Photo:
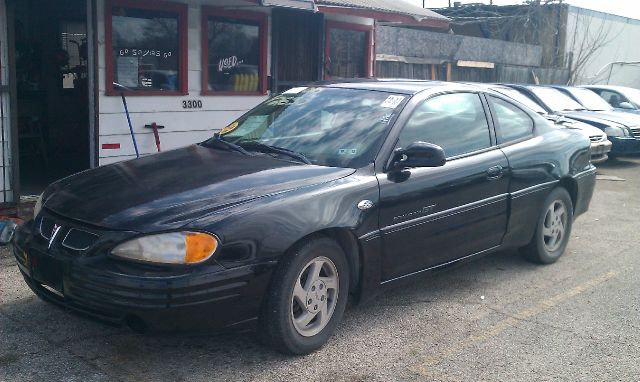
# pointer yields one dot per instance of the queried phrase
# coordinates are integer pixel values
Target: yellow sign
(229, 128)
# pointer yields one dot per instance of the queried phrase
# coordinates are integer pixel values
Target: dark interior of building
(52, 90)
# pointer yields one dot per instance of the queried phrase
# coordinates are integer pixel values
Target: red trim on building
(386, 16)
(262, 19)
(110, 146)
(181, 11)
(357, 27)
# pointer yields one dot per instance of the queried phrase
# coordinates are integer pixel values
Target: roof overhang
(305, 5)
(389, 17)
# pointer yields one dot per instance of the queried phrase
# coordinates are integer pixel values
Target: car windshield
(329, 126)
(556, 100)
(523, 99)
(590, 100)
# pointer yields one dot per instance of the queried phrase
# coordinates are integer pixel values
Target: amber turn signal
(200, 246)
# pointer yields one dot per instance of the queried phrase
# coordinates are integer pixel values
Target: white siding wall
(5, 182)
(622, 34)
(182, 127)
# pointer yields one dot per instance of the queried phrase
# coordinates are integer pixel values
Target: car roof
(401, 86)
(607, 87)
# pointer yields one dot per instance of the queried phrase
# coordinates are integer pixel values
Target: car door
(431, 216)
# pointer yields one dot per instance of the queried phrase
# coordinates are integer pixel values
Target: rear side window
(456, 122)
(613, 98)
(512, 121)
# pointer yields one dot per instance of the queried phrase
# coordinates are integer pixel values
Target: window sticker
(229, 128)
(392, 101)
(296, 90)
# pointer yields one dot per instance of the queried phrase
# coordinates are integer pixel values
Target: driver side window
(456, 122)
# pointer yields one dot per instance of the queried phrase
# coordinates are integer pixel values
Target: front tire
(307, 298)
(553, 229)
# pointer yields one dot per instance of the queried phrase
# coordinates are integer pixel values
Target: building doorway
(297, 44)
(52, 90)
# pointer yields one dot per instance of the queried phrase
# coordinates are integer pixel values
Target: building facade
(616, 58)
(188, 67)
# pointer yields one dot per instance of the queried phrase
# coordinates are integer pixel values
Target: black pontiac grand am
(317, 194)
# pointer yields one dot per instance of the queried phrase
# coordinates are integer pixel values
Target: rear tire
(307, 297)
(553, 229)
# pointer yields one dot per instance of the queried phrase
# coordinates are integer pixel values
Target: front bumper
(146, 298)
(599, 151)
(624, 145)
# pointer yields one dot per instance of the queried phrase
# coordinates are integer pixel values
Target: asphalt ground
(496, 319)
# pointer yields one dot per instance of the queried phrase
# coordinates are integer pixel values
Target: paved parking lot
(499, 318)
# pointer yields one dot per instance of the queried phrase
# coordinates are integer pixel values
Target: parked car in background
(600, 145)
(316, 194)
(623, 130)
(620, 97)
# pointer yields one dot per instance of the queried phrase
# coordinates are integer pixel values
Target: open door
(297, 45)
(51, 58)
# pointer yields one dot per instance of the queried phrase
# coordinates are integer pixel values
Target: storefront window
(235, 53)
(348, 51)
(146, 49)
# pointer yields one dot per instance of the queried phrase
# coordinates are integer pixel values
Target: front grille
(46, 227)
(79, 240)
(635, 131)
(596, 138)
(74, 238)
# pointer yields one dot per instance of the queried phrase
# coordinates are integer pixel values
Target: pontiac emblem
(54, 233)
(365, 205)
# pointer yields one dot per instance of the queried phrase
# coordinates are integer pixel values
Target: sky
(627, 8)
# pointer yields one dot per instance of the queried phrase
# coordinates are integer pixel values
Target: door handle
(495, 172)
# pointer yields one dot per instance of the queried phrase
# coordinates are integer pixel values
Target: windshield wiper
(217, 139)
(276, 150)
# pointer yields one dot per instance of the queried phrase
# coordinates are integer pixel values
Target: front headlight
(169, 248)
(38, 207)
(614, 131)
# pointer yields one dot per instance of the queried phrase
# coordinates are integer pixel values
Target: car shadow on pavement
(37, 321)
(619, 162)
(123, 354)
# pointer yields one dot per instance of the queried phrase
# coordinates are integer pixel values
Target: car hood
(603, 117)
(587, 129)
(169, 190)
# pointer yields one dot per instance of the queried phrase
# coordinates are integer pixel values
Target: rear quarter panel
(553, 156)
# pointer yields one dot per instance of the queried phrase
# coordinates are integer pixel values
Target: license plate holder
(47, 270)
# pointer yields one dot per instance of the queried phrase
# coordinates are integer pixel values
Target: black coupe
(317, 194)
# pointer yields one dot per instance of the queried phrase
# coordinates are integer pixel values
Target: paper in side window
(392, 101)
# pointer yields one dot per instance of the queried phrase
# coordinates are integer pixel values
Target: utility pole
(423, 4)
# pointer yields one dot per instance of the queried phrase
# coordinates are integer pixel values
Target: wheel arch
(570, 184)
(349, 244)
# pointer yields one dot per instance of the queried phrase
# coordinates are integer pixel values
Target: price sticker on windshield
(392, 101)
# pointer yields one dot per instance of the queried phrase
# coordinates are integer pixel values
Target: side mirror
(418, 154)
(626, 105)
(7, 228)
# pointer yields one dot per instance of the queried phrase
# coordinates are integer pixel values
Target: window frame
(368, 29)
(485, 109)
(263, 25)
(501, 141)
(181, 10)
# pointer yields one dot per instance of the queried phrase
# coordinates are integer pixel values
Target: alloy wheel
(554, 226)
(314, 297)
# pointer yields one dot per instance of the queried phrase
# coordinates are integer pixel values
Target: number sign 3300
(192, 104)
